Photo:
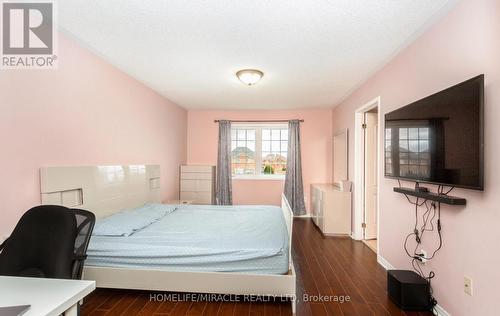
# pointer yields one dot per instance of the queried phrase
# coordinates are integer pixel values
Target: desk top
(46, 296)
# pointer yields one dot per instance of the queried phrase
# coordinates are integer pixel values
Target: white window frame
(258, 151)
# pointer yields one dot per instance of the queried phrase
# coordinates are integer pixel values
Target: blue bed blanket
(243, 239)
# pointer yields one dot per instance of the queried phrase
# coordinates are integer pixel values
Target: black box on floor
(408, 290)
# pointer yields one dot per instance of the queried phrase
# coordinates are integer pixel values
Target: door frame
(359, 168)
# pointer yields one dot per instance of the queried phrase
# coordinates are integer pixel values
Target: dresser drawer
(197, 197)
(331, 209)
(196, 185)
(196, 176)
(196, 169)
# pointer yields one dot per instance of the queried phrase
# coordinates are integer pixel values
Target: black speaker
(408, 290)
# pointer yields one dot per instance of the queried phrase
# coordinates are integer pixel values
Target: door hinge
(363, 126)
(363, 225)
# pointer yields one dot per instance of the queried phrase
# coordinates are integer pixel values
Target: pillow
(128, 221)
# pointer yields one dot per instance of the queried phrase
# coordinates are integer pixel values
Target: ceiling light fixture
(249, 76)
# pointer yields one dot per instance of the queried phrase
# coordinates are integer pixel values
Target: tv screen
(439, 139)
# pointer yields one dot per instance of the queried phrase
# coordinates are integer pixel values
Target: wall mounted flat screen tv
(439, 139)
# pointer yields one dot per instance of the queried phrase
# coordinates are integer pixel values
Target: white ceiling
(313, 53)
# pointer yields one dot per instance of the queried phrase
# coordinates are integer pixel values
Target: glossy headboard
(102, 190)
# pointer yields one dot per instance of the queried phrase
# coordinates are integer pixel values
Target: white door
(370, 196)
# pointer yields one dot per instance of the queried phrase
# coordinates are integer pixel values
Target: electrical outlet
(424, 256)
(468, 285)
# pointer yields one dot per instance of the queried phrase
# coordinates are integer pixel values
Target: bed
(243, 239)
(139, 243)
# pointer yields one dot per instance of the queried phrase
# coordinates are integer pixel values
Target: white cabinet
(331, 209)
(197, 184)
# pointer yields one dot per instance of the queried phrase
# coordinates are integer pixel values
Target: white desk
(47, 297)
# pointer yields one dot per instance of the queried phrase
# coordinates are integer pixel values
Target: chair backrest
(42, 244)
(85, 221)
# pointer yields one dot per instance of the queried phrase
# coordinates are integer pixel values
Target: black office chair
(49, 241)
(85, 222)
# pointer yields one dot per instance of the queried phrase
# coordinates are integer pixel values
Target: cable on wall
(432, 213)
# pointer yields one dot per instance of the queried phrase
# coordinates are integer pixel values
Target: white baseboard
(356, 236)
(388, 266)
(384, 263)
(302, 216)
(440, 311)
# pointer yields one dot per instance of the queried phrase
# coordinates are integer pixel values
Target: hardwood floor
(326, 268)
(372, 244)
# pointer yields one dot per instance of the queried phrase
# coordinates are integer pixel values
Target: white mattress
(243, 239)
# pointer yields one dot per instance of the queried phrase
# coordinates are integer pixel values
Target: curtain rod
(258, 121)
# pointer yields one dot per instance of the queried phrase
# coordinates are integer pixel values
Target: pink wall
(316, 150)
(86, 112)
(463, 44)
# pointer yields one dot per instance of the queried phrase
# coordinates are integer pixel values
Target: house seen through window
(407, 152)
(259, 150)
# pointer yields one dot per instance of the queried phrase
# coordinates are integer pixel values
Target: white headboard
(102, 190)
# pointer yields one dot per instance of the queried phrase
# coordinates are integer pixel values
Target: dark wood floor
(325, 267)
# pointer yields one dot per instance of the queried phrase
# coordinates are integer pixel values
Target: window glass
(251, 134)
(284, 134)
(274, 151)
(414, 146)
(243, 152)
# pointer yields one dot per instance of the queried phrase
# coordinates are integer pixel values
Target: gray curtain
(224, 194)
(294, 190)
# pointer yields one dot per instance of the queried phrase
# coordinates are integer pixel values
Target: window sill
(260, 177)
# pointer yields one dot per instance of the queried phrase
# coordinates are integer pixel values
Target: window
(410, 152)
(388, 152)
(414, 158)
(243, 151)
(259, 150)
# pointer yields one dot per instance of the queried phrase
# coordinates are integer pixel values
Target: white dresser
(197, 184)
(331, 209)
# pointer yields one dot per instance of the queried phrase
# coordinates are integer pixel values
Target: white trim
(440, 311)
(384, 263)
(258, 151)
(357, 234)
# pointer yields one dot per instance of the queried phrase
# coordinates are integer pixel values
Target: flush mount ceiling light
(249, 76)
